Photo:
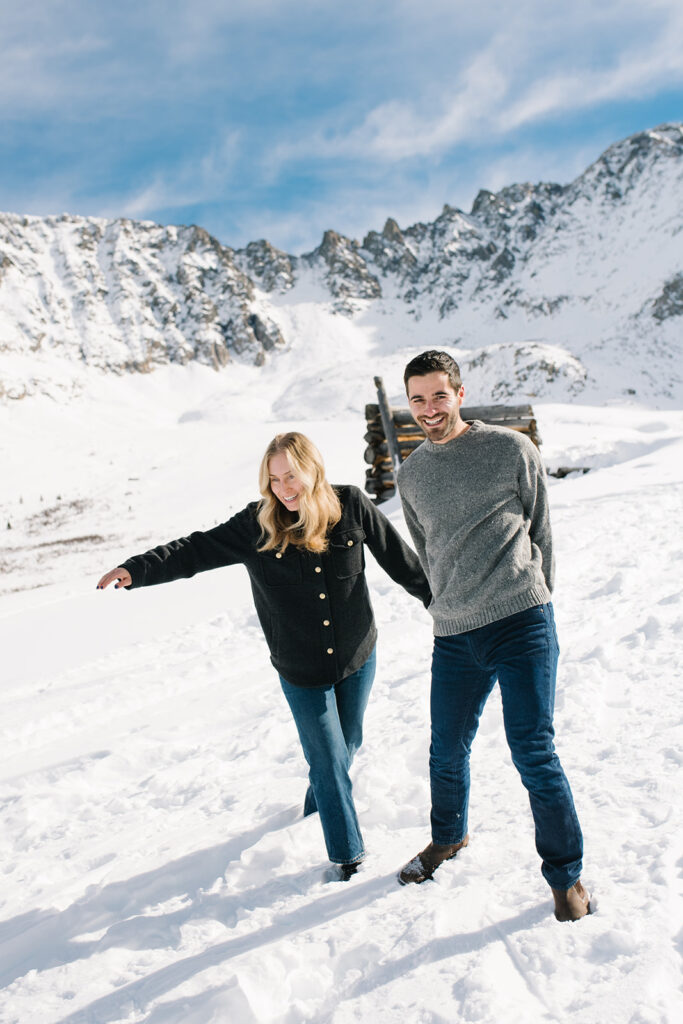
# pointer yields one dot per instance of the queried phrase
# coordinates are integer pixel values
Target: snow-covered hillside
(155, 864)
(543, 290)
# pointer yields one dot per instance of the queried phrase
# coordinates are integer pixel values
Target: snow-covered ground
(155, 865)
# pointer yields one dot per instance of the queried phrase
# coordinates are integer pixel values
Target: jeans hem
(353, 860)
(448, 842)
(563, 887)
(564, 884)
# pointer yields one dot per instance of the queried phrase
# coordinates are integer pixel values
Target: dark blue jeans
(521, 652)
(329, 720)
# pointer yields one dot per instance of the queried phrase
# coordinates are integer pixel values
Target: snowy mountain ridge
(541, 290)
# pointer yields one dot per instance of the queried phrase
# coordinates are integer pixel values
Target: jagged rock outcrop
(389, 252)
(125, 296)
(670, 302)
(345, 271)
(270, 268)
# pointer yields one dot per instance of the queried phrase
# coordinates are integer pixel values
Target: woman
(302, 546)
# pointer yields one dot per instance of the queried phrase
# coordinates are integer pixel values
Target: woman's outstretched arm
(227, 544)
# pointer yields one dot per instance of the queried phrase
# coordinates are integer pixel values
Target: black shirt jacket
(314, 609)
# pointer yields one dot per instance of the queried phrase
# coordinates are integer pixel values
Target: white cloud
(520, 75)
(637, 73)
(398, 130)
(387, 109)
(199, 180)
(395, 130)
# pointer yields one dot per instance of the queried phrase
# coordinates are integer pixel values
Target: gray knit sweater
(477, 510)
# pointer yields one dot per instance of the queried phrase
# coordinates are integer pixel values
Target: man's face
(435, 406)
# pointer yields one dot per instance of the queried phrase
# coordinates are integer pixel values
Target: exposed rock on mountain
(270, 268)
(123, 296)
(389, 252)
(568, 278)
(670, 302)
(346, 273)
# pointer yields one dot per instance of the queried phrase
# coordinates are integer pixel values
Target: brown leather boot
(423, 866)
(571, 904)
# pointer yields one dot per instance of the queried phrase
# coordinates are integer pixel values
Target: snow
(156, 867)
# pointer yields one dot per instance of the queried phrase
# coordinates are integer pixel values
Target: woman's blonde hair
(319, 506)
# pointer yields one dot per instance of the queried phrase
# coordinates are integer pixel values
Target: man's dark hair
(433, 361)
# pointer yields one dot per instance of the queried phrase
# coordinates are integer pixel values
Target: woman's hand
(120, 574)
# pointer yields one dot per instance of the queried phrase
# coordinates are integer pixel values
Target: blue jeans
(329, 720)
(520, 651)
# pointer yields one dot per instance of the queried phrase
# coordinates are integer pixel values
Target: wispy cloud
(495, 93)
(636, 72)
(397, 129)
(283, 117)
(199, 180)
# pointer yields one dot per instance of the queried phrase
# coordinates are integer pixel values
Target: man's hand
(122, 575)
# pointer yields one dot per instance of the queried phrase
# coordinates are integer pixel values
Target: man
(475, 501)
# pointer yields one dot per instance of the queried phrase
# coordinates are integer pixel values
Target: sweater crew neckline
(473, 425)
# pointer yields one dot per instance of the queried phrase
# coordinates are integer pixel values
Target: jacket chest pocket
(282, 569)
(346, 550)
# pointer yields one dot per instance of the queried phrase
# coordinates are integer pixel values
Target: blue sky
(277, 119)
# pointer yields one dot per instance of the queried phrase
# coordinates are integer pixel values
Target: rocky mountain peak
(346, 272)
(389, 251)
(517, 208)
(392, 232)
(556, 272)
(620, 168)
(272, 268)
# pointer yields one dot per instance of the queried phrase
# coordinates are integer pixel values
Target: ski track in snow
(155, 864)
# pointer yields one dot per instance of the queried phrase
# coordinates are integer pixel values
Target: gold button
(330, 650)
(326, 622)
(349, 543)
(318, 569)
(322, 597)
(278, 554)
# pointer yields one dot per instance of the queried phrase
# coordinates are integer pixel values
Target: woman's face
(284, 482)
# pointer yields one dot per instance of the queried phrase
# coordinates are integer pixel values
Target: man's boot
(423, 866)
(571, 904)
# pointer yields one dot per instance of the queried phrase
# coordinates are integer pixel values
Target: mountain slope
(562, 284)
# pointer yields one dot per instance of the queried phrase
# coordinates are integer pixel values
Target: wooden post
(388, 424)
